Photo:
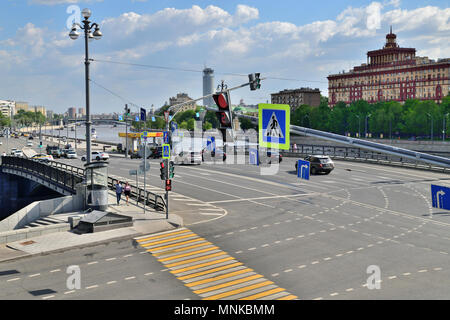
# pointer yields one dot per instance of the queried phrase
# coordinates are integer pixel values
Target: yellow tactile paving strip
(208, 271)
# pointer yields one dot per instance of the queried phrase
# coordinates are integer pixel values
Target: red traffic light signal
(169, 185)
(224, 113)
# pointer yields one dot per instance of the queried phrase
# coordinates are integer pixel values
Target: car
(215, 154)
(71, 154)
(319, 163)
(29, 144)
(31, 138)
(18, 153)
(271, 156)
(54, 151)
(1, 143)
(96, 155)
(187, 157)
(42, 157)
(156, 153)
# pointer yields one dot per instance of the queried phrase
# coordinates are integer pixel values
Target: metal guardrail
(144, 196)
(67, 177)
(362, 155)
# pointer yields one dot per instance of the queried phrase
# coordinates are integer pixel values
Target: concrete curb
(131, 236)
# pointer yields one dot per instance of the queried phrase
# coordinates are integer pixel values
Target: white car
(1, 143)
(96, 155)
(72, 155)
(29, 144)
(18, 153)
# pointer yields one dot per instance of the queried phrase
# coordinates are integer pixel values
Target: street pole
(145, 173)
(167, 170)
(88, 109)
(75, 137)
(126, 131)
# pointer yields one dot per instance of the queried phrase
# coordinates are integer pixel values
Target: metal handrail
(67, 176)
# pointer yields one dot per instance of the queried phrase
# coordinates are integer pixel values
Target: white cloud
(227, 41)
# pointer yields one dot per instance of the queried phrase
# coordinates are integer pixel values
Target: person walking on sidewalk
(127, 191)
(119, 190)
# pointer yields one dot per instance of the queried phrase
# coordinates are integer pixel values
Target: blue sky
(301, 40)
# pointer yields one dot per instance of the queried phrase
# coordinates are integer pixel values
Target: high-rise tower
(208, 86)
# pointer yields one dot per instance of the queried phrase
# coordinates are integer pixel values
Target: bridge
(64, 178)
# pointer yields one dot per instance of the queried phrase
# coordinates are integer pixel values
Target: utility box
(97, 185)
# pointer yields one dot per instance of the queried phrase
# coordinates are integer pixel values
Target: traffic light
(224, 114)
(169, 185)
(163, 171)
(127, 110)
(171, 171)
(254, 80)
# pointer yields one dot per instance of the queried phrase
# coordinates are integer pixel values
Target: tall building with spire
(208, 86)
(392, 73)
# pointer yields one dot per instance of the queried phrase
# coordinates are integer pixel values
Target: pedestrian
(119, 190)
(127, 191)
(295, 147)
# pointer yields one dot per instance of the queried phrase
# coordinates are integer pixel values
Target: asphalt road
(316, 238)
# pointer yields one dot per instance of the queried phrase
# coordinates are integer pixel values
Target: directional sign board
(274, 121)
(166, 151)
(120, 118)
(144, 165)
(253, 156)
(440, 197)
(303, 169)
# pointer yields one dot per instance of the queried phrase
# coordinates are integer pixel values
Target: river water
(107, 133)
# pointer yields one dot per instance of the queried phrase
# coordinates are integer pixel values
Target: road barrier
(67, 177)
(361, 155)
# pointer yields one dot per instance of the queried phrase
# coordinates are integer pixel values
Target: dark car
(156, 153)
(30, 138)
(54, 151)
(319, 163)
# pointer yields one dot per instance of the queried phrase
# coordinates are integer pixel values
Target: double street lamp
(91, 32)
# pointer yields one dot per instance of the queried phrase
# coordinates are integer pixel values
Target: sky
(294, 43)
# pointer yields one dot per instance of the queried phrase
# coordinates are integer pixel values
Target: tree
(246, 124)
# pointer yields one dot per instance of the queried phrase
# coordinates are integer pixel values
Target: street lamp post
(443, 126)
(367, 116)
(431, 133)
(88, 35)
(359, 125)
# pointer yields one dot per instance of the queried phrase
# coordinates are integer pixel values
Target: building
(296, 97)
(21, 105)
(72, 113)
(208, 86)
(81, 112)
(40, 109)
(391, 74)
(7, 108)
(180, 98)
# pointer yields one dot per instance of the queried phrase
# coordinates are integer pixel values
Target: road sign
(166, 136)
(440, 197)
(136, 118)
(143, 114)
(120, 118)
(253, 156)
(166, 151)
(144, 166)
(274, 121)
(166, 116)
(303, 169)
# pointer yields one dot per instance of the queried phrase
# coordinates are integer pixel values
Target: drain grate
(8, 272)
(41, 292)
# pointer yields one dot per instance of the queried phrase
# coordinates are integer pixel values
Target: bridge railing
(63, 175)
(67, 177)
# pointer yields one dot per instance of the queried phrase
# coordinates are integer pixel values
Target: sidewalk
(151, 222)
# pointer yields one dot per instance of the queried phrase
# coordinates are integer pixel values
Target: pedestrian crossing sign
(274, 122)
(166, 151)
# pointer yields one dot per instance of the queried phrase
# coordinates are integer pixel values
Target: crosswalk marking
(207, 270)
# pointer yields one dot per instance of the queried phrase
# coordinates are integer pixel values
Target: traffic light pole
(167, 161)
(126, 135)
